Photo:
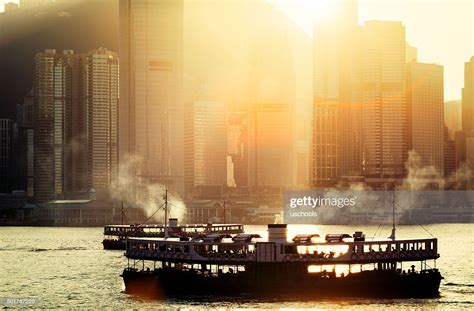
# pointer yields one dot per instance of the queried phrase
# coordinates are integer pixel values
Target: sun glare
(321, 7)
(303, 12)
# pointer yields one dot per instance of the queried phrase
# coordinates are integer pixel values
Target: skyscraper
(336, 113)
(449, 155)
(25, 157)
(75, 122)
(10, 6)
(411, 53)
(100, 97)
(383, 99)
(468, 112)
(205, 145)
(453, 116)
(25, 113)
(237, 147)
(151, 106)
(468, 97)
(6, 140)
(52, 96)
(425, 113)
(270, 110)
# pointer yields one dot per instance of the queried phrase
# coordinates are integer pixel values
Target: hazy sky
(442, 30)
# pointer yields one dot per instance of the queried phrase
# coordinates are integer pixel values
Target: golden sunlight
(321, 7)
(306, 9)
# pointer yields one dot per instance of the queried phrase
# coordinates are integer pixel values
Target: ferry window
(162, 247)
(186, 248)
(289, 249)
(198, 249)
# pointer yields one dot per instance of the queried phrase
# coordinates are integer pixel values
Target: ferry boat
(306, 265)
(115, 236)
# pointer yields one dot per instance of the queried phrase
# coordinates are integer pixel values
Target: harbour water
(67, 267)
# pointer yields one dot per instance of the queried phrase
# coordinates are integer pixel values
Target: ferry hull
(383, 283)
(114, 244)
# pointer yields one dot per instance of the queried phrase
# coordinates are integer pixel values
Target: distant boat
(115, 236)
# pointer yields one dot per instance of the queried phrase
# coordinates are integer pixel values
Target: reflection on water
(67, 267)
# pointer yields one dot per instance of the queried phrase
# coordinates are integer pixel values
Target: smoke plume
(421, 177)
(136, 191)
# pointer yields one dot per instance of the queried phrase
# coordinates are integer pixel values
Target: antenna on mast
(123, 212)
(166, 214)
(392, 236)
(224, 212)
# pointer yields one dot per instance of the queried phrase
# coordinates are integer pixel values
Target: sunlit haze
(442, 30)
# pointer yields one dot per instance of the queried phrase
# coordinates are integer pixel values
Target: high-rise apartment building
(205, 145)
(100, 96)
(336, 145)
(151, 92)
(425, 113)
(75, 122)
(52, 97)
(6, 142)
(384, 114)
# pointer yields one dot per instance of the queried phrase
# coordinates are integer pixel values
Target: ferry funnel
(277, 232)
(173, 222)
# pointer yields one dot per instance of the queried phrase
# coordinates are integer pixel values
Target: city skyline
(365, 108)
(215, 153)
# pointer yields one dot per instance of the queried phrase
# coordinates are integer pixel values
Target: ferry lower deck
(268, 279)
